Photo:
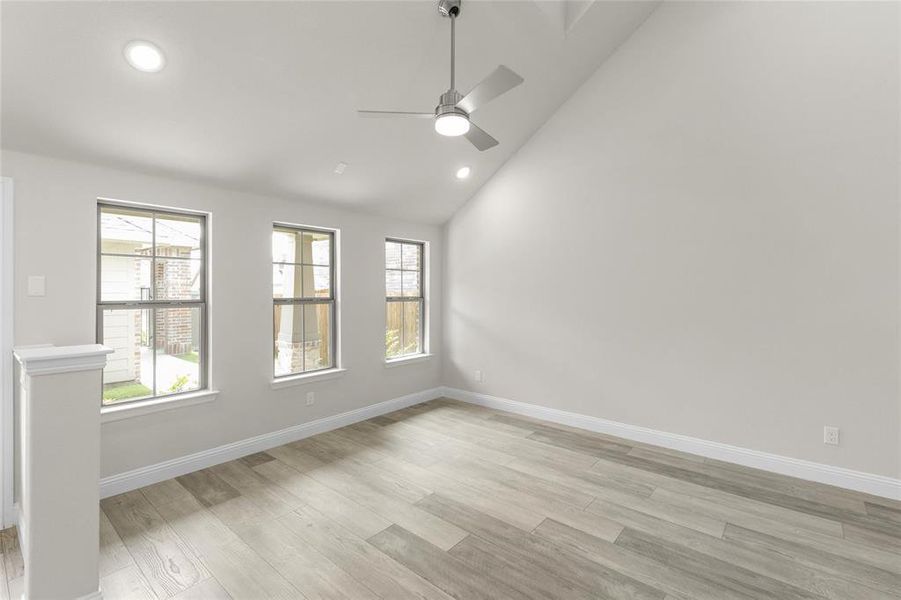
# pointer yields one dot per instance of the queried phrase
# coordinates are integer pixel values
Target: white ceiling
(261, 96)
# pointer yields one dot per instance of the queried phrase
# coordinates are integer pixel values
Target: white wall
(56, 236)
(704, 239)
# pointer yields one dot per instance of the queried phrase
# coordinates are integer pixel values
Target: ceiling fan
(452, 113)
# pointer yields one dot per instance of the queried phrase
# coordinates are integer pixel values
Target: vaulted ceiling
(261, 96)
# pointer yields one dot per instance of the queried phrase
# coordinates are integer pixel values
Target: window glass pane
(411, 257)
(411, 283)
(316, 282)
(392, 255)
(128, 374)
(412, 327)
(316, 248)
(393, 329)
(286, 246)
(178, 235)
(288, 336)
(286, 281)
(124, 278)
(317, 333)
(177, 342)
(177, 279)
(392, 283)
(124, 231)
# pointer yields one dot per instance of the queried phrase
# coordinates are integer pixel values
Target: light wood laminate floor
(447, 500)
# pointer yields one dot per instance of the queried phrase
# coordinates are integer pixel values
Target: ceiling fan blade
(387, 114)
(500, 80)
(478, 138)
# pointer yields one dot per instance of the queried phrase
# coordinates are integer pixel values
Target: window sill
(407, 360)
(145, 407)
(292, 380)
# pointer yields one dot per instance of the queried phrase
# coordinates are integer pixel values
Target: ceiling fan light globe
(451, 125)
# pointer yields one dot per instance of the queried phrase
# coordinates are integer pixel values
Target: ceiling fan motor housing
(448, 104)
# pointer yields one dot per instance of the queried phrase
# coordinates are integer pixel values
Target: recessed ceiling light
(463, 172)
(144, 56)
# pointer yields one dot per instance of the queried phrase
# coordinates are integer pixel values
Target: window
(303, 295)
(151, 302)
(405, 298)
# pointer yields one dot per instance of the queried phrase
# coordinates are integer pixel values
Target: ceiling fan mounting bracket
(449, 8)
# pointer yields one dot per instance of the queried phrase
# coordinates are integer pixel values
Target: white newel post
(59, 420)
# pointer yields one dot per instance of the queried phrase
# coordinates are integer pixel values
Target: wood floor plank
(676, 583)
(764, 562)
(374, 569)
(352, 515)
(507, 445)
(722, 573)
(167, 563)
(810, 490)
(872, 538)
(364, 490)
(208, 589)
(494, 561)
(244, 574)
(461, 444)
(113, 553)
(297, 459)
(536, 486)
(207, 487)
(761, 493)
(692, 518)
(539, 552)
(12, 553)
(587, 481)
(441, 569)
(4, 585)
(271, 498)
(577, 443)
(195, 525)
(856, 571)
(300, 564)
(883, 512)
(754, 515)
(504, 506)
(126, 583)
(258, 458)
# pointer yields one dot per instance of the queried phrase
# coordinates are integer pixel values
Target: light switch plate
(37, 285)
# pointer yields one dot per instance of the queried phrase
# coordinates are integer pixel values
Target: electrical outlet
(311, 398)
(478, 375)
(830, 436)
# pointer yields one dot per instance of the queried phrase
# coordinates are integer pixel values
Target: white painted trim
(304, 378)
(98, 595)
(23, 541)
(878, 485)
(137, 478)
(407, 360)
(49, 360)
(146, 407)
(7, 380)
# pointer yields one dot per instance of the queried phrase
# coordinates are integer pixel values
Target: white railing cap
(47, 360)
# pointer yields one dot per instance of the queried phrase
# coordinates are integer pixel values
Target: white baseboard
(137, 478)
(878, 485)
